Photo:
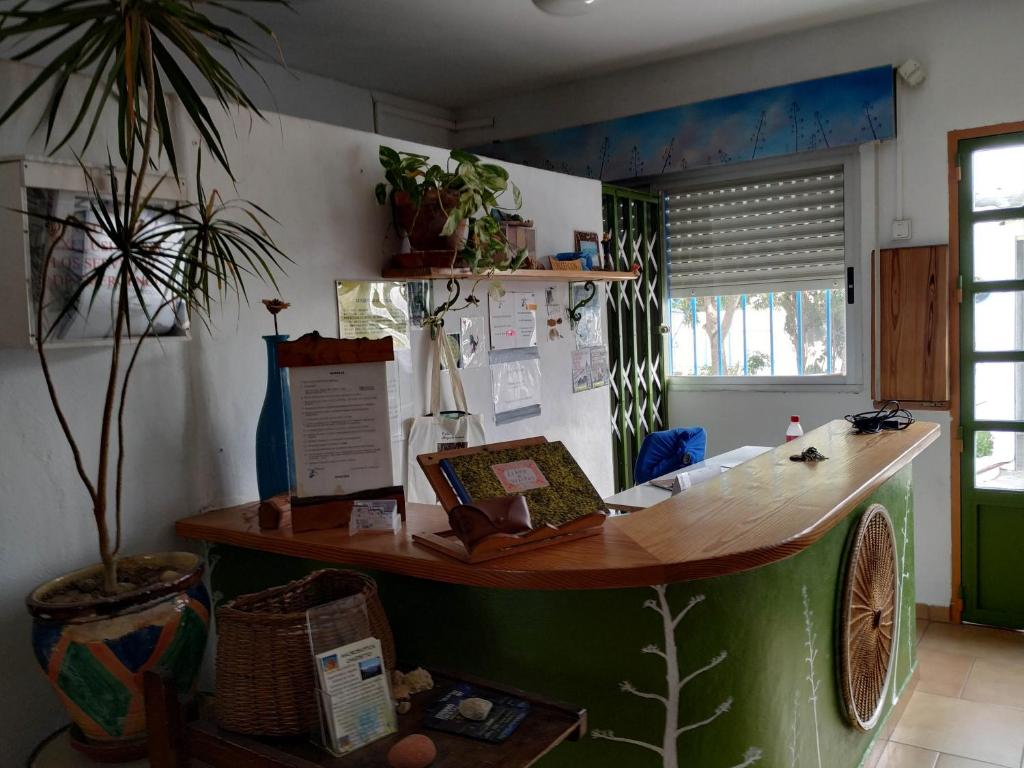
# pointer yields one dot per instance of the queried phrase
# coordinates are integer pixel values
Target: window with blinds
(757, 269)
(783, 232)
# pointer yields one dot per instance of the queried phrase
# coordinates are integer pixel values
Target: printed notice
(340, 422)
(513, 321)
(373, 310)
(355, 695)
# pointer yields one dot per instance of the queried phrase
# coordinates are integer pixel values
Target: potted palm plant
(97, 630)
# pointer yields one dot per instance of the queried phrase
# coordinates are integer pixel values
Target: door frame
(956, 447)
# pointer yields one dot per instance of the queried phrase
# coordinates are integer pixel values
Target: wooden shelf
(520, 275)
(764, 510)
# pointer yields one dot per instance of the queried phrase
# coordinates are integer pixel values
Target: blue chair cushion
(672, 449)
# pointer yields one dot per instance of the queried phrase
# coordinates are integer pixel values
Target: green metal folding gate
(635, 223)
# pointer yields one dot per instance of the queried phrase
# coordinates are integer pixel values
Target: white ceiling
(453, 52)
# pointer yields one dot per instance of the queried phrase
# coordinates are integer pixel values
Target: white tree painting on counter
(812, 680)
(668, 749)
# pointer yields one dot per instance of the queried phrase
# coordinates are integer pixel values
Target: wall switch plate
(901, 229)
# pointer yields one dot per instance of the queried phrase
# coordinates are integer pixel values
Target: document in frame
(340, 424)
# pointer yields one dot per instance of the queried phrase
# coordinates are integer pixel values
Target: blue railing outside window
(771, 333)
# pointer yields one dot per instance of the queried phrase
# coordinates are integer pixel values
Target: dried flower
(274, 306)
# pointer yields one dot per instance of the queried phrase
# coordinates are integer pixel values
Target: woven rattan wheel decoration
(869, 618)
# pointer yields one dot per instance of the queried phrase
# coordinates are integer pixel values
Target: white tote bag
(439, 430)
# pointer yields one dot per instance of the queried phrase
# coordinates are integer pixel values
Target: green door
(991, 216)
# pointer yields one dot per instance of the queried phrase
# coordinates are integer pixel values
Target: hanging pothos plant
(194, 252)
(469, 194)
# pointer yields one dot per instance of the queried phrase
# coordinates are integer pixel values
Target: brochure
(355, 695)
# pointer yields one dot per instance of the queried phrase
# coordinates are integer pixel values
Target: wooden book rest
(498, 545)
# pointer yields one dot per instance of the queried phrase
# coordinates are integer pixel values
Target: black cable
(891, 416)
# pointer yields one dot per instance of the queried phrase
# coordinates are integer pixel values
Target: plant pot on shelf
(96, 651)
(423, 224)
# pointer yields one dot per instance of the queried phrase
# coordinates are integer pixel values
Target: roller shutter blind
(780, 232)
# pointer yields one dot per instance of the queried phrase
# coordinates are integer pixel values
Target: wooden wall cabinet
(911, 326)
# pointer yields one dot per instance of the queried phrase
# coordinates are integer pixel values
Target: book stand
(498, 545)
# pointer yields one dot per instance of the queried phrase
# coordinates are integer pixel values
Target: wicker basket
(265, 674)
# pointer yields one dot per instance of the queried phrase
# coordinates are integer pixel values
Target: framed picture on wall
(588, 244)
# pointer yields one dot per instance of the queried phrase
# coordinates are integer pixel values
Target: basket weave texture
(265, 672)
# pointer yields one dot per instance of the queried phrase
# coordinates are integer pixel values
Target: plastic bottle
(795, 430)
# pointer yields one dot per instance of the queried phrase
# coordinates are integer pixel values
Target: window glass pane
(999, 250)
(999, 391)
(682, 338)
(999, 460)
(998, 178)
(759, 337)
(816, 330)
(731, 314)
(999, 321)
(707, 336)
(784, 322)
(838, 346)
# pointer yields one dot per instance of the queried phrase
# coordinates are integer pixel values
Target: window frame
(854, 204)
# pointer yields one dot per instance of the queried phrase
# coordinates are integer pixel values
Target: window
(757, 273)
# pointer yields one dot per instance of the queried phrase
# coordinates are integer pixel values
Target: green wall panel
(757, 652)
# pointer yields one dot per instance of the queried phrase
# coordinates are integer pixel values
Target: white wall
(973, 56)
(193, 406)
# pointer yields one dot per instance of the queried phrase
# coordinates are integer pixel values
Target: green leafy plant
(193, 253)
(477, 190)
(985, 445)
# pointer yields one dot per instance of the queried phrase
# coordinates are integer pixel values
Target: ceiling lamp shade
(566, 7)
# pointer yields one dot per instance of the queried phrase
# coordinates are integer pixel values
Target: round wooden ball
(415, 751)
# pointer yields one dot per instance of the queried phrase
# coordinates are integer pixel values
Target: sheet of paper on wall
(355, 695)
(418, 293)
(373, 310)
(454, 353)
(340, 424)
(513, 319)
(580, 370)
(588, 329)
(516, 389)
(553, 301)
(473, 348)
(599, 372)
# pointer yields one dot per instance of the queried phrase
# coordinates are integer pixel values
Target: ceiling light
(566, 7)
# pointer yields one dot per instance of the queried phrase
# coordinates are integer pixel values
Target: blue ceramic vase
(274, 472)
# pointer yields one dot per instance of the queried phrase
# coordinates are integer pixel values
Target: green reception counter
(707, 631)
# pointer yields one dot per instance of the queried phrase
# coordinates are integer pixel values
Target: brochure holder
(353, 690)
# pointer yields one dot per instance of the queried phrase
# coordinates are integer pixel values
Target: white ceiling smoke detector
(566, 7)
(912, 72)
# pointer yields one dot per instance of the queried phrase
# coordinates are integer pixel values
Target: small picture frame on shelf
(588, 243)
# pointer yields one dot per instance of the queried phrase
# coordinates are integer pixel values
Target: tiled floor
(968, 708)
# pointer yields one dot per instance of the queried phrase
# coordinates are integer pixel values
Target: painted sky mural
(834, 111)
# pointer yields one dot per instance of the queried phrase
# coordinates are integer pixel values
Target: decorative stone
(475, 709)
(418, 680)
(415, 751)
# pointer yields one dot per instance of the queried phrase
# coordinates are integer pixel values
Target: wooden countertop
(765, 510)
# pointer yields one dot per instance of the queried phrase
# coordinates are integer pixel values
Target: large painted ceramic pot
(95, 653)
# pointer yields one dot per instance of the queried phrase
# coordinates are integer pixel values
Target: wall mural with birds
(835, 111)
